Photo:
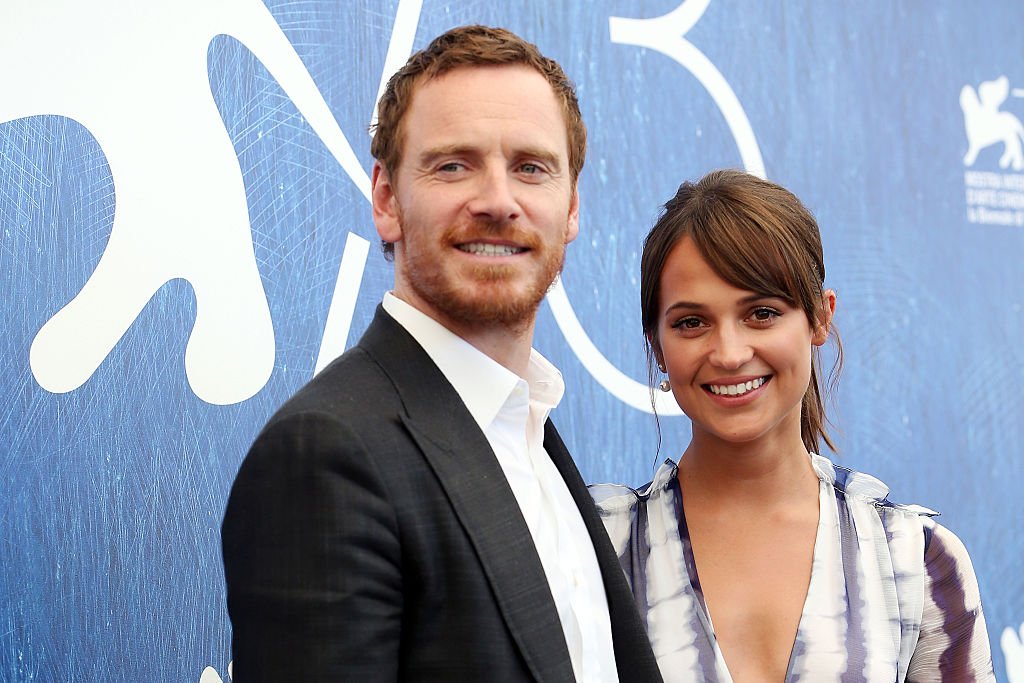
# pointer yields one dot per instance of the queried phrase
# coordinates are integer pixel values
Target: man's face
(482, 205)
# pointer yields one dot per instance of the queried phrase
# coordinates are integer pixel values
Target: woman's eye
(686, 324)
(764, 314)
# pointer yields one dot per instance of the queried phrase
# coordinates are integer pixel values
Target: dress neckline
(671, 485)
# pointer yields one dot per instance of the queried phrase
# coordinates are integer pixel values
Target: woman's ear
(825, 313)
(652, 341)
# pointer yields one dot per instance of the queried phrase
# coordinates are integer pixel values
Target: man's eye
(450, 167)
(531, 168)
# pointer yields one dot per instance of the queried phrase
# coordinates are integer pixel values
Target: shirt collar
(482, 383)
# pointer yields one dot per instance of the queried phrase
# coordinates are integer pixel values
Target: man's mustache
(503, 230)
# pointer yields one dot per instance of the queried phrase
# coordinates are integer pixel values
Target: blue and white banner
(185, 238)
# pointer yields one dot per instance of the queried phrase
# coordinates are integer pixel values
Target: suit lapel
(462, 459)
(633, 655)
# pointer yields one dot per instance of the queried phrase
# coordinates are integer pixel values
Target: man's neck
(506, 344)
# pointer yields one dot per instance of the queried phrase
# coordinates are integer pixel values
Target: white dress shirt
(511, 412)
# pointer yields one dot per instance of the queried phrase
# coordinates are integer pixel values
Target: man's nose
(495, 196)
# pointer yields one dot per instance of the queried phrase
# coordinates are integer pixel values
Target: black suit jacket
(371, 535)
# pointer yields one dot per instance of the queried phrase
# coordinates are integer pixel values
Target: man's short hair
(461, 47)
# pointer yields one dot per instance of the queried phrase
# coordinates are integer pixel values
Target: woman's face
(739, 362)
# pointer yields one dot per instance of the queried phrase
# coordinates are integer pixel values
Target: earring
(665, 386)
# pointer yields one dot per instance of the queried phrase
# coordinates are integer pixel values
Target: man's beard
(478, 299)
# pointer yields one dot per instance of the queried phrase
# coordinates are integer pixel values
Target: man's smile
(490, 249)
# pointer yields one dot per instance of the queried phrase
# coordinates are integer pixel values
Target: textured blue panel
(112, 493)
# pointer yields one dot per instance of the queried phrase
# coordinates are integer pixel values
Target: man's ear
(828, 309)
(573, 228)
(386, 212)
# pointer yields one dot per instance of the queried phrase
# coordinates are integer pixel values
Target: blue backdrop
(184, 227)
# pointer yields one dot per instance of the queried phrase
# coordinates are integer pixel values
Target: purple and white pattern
(892, 596)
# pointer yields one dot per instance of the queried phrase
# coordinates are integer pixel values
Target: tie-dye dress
(892, 596)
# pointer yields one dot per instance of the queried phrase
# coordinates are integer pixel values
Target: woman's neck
(761, 473)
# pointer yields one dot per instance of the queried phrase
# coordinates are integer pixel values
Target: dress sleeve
(953, 645)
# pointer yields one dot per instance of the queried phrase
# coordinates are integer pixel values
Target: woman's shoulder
(859, 487)
(946, 556)
(618, 506)
(615, 499)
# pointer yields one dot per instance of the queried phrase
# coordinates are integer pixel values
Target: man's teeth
(736, 389)
(490, 249)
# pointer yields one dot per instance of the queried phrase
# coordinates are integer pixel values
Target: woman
(806, 571)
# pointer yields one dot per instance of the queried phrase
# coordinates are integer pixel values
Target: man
(411, 514)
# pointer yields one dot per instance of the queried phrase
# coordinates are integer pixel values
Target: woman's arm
(953, 645)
